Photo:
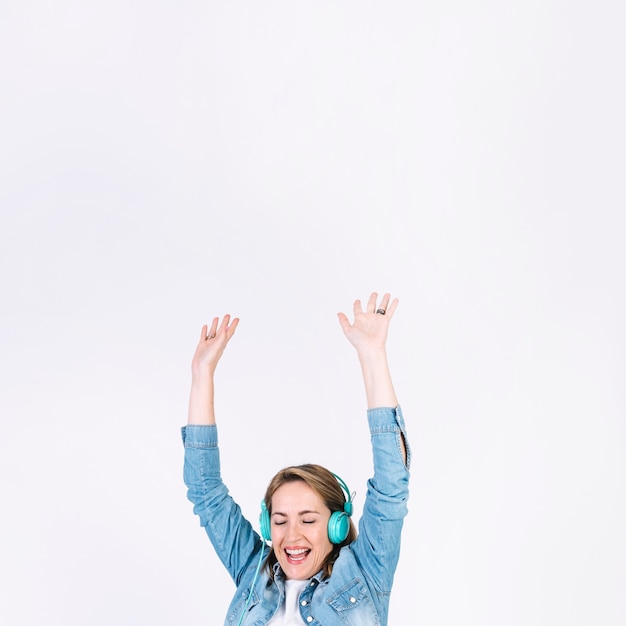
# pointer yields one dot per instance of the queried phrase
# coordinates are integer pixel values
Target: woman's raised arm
(368, 334)
(210, 348)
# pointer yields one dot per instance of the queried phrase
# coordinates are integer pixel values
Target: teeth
(299, 551)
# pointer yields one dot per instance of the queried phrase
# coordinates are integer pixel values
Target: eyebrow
(300, 513)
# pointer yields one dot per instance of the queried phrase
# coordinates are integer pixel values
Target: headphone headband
(347, 507)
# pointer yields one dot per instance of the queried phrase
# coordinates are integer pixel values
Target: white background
(165, 162)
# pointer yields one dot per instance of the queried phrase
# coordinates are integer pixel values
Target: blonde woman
(308, 565)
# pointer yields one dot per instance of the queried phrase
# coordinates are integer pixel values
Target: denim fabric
(357, 593)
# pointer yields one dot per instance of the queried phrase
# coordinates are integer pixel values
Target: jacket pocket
(238, 605)
(353, 604)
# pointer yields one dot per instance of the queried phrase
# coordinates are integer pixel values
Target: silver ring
(211, 337)
(381, 311)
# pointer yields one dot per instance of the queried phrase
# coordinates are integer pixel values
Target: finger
(213, 330)
(384, 303)
(371, 303)
(224, 324)
(392, 308)
(203, 332)
(230, 331)
(343, 321)
(357, 308)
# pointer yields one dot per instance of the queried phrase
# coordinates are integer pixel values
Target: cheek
(321, 539)
(276, 534)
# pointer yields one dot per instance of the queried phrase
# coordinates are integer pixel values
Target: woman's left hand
(370, 327)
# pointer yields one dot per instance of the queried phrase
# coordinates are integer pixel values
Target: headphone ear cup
(338, 527)
(264, 522)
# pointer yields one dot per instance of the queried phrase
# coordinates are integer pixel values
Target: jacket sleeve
(235, 541)
(377, 547)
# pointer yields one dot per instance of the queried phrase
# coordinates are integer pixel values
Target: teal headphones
(338, 524)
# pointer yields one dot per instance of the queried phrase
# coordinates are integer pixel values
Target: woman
(317, 570)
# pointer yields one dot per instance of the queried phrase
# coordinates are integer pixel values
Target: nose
(292, 532)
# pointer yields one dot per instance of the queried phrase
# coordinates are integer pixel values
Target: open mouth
(296, 555)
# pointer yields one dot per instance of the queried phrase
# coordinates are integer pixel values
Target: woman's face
(299, 530)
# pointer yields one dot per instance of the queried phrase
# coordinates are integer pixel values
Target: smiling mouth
(296, 555)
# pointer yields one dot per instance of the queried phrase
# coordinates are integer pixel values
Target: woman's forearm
(377, 378)
(378, 384)
(202, 400)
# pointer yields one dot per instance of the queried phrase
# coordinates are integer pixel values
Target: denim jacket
(357, 592)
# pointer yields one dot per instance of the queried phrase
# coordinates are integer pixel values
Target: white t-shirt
(289, 613)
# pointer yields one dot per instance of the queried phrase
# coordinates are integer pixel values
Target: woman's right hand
(212, 343)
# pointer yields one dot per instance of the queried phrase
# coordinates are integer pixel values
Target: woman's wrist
(202, 374)
(371, 351)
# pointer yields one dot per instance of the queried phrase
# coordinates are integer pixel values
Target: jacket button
(303, 603)
(309, 619)
(352, 599)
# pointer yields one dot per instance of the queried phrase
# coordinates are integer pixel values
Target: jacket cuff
(385, 420)
(199, 436)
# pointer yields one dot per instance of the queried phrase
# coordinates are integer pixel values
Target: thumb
(343, 321)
